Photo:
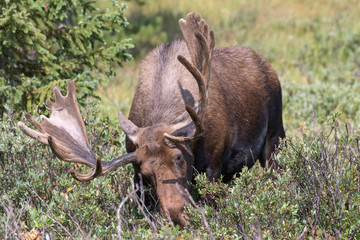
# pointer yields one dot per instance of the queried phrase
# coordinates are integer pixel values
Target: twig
(61, 236)
(354, 232)
(142, 195)
(187, 194)
(76, 223)
(135, 197)
(302, 234)
(12, 222)
(118, 216)
(55, 220)
(242, 230)
(257, 234)
(140, 204)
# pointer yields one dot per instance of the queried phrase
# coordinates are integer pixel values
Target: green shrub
(47, 43)
(323, 168)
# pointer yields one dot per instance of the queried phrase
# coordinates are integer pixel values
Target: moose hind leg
(272, 141)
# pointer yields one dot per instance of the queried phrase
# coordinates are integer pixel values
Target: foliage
(315, 195)
(45, 43)
(314, 47)
(323, 168)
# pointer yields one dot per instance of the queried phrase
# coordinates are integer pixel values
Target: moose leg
(272, 141)
(213, 171)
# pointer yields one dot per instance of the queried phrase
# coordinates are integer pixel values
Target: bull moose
(195, 107)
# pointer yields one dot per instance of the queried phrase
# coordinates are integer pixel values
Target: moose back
(195, 107)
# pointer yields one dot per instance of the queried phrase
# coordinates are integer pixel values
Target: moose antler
(64, 131)
(200, 43)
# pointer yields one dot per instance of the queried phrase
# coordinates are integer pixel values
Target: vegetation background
(315, 48)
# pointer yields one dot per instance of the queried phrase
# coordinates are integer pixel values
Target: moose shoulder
(194, 108)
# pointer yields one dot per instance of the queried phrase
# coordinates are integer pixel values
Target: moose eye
(179, 160)
(136, 146)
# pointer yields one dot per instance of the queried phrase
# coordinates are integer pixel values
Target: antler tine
(64, 131)
(200, 81)
(199, 129)
(211, 49)
(90, 176)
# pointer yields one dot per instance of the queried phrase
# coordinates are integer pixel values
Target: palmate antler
(65, 133)
(200, 43)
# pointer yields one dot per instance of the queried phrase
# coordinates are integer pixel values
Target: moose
(195, 108)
